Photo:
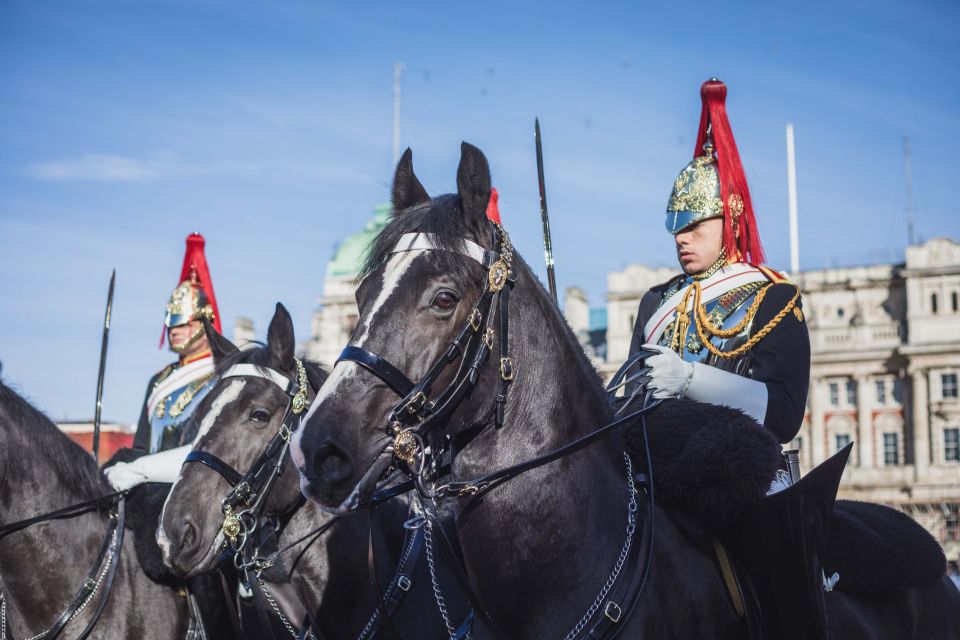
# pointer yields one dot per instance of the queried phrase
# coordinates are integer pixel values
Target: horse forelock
(31, 441)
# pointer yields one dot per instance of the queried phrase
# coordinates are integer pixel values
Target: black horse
(328, 572)
(43, 566)
(542, 547)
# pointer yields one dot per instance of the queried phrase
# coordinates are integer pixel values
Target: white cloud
(104, 168)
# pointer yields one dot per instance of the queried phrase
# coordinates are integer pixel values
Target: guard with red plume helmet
(173, 393)
(728, 330)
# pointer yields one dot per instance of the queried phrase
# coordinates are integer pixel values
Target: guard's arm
(158, 467)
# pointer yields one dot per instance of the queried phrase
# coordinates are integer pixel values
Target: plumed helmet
(193, 299)
(714, 185)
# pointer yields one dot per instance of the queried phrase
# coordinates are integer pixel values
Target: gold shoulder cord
(706, 329)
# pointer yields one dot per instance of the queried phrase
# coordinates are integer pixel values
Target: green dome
(346, 260)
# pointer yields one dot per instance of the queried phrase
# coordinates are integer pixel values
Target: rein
(100, 575)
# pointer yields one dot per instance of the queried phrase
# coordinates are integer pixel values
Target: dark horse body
(42, 566)
(539, 547)
(330, 575)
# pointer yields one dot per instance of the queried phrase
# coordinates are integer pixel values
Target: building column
(920, 401)
(868, 455)
(818, 429)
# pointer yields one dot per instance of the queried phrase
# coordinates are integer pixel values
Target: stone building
(885, 344)
(337, 313)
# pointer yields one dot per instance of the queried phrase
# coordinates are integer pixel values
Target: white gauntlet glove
(669, 374)
(672, 377)
(158, 467)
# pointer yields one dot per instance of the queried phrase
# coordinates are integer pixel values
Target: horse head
(430, 352)
(241, 417)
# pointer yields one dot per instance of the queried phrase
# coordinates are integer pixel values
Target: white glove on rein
(673, 377)
(158, 467)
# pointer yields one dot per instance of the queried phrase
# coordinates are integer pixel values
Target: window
(840, 441)
(948, 386)
(834, 394)
(933, 302)
(891, 449)
(881, 386)
(951, 445)
(897, 391)
(851, 393)
(954, 302)
(952, 526)
(839, 312)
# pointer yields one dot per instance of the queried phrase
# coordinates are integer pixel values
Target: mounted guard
(730, 331)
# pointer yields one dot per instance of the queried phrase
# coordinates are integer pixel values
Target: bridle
(420, 413)
(244, 504)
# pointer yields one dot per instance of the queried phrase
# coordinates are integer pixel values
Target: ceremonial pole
(103, 366)
(792, 194)
(547, 242)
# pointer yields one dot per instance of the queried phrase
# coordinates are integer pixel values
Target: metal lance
(547, 243)
(103, 367)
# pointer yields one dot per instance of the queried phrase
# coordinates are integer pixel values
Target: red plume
(493, 210)
(195, 262)
(733, 181)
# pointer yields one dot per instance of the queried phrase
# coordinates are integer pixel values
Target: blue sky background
(267, 127)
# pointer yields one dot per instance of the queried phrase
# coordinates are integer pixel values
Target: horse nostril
(331, 463)
(189, 537)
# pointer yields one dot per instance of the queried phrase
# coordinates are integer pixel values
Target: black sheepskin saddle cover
(710, 462)
(877, 549)
(144, 504)
(713, 463)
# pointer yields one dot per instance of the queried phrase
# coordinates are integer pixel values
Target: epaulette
(773, 275)
(164, 373)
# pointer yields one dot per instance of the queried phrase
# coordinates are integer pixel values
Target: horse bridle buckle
(475, 319)
(612, 611)
(506, 369)
(416, 403)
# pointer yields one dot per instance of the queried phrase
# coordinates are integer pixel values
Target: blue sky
(267, 127)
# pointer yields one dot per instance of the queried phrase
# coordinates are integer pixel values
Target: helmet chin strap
(189, 342)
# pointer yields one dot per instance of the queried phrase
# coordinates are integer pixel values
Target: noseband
(420, 411)
(243, 506)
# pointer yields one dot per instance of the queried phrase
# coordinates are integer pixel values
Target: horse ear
(407, 190)
(220, 347)
(473, 182)
(280, 338)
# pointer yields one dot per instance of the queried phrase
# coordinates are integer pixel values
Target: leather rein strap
(112, 546)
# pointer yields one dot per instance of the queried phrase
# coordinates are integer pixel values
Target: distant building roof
(346, 259)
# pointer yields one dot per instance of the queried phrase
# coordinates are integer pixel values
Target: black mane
(30, 433)
(441, 217)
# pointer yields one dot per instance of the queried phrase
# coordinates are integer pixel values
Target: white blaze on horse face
(343, 371)
(228, 395)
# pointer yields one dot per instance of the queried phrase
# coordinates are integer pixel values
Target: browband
(266, 373)
(424, 242)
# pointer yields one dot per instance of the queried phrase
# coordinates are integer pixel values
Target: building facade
(885, 344)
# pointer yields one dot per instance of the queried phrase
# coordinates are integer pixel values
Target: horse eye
(260, 415)
(445, 300)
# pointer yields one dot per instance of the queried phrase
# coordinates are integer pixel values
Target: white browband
(424, 242)
(239, 370)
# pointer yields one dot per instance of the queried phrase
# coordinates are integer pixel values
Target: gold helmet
(193, 299)
(696, 194)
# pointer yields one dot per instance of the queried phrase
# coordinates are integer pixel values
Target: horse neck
(513, 533)
(34, 486)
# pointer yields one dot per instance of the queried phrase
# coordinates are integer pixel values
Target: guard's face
(698, 246)
(179, 335)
